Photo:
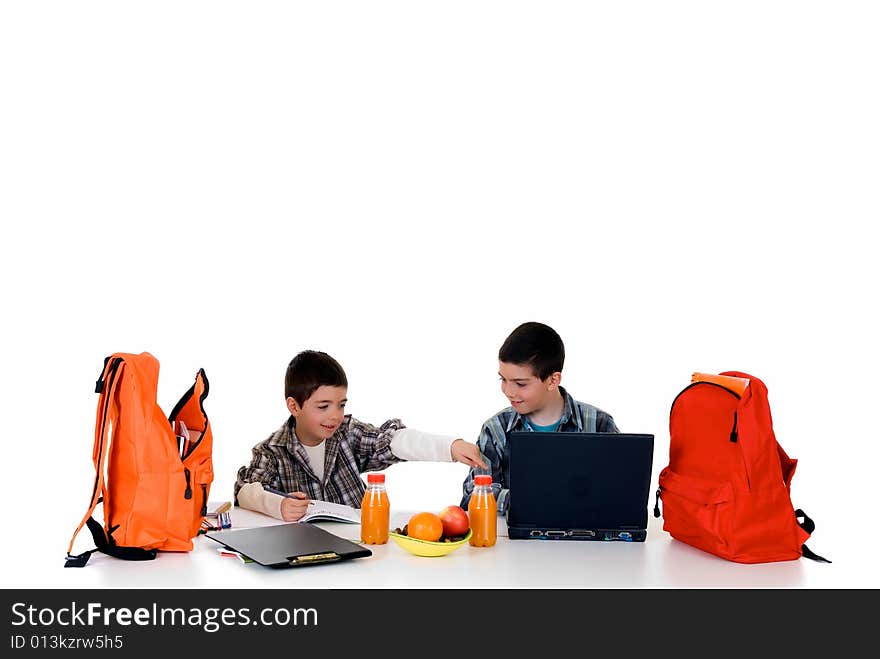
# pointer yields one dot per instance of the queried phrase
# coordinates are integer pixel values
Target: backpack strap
(106, 386)
(809, 526)
(104, 543)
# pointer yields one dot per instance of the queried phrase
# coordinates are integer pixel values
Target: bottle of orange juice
(375, 511)
(483, 513)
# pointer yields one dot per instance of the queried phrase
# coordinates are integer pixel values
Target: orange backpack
(727, 487)
(155, 491)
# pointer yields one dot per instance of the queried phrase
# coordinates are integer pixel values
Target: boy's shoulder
(598, 411)
(572, 405)
(593, 418)
(280, 437)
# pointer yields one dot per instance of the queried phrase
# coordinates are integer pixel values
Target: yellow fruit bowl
(427, 548)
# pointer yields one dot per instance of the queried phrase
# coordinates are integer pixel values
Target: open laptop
(579, 486)
(289, 545)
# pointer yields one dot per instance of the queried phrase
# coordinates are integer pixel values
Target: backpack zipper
(189, 493)
(657, 503)
(204, 500)
(698, 382)
(734, 435)
(193, 446)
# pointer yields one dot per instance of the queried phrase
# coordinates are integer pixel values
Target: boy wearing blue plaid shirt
(320, 452)
(530, 368)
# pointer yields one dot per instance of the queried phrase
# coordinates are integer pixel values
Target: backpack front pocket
(696, 511)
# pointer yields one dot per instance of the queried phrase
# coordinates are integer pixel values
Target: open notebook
(324, 511)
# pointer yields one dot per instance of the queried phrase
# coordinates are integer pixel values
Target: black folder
(289, 545)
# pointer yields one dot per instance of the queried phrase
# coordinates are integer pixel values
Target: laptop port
(556, 534)
(582, 533)
(624, 535)
(536, 534)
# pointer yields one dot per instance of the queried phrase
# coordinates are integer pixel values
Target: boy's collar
(293, 440)
(568, 412)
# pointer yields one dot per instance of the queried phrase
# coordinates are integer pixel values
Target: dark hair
(535, 345)
(309, 370)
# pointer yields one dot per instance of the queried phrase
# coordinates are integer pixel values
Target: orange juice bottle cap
(483, 479)
(375, 478)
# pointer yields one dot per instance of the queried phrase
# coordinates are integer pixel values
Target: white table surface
(659, 562)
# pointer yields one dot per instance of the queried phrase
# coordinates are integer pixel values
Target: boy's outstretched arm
(412, 444)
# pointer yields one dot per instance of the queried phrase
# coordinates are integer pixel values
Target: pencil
(283, 494)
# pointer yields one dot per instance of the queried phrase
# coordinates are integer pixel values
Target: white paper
(333, 512)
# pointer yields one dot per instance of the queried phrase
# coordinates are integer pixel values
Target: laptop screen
(579, 480)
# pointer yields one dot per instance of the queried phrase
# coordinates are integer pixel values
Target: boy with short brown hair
(320, 452)
(530, 367)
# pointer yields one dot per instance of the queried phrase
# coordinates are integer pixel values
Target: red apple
(455, 521)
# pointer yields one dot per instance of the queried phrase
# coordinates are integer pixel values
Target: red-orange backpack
(155, 491)
(727, 487)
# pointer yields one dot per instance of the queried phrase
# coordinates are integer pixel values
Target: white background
(673, 186)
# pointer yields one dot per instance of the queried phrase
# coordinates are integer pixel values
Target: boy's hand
(467, 453)
(293, 509)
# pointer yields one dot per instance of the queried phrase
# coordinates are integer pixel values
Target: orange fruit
(425, 526)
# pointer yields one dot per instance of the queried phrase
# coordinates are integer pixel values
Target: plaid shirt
(280, 462)
(576, 417)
